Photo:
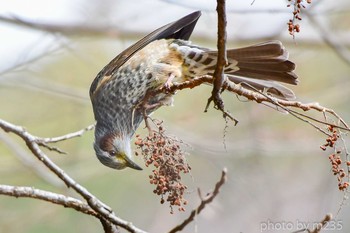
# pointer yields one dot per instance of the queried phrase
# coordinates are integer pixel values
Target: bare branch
(222, 58)
(219, 75)
(98, 206)
(44, 141)
(108, 227)
(260, 97)
(67, 136)
(204, 201)
(55, 198)
(58, 199)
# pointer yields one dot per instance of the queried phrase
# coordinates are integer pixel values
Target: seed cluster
(297, 4)
(338, 171)
(164, 153)
(331, 140)
(335, 159)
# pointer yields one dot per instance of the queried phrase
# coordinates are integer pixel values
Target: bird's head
(114, 151)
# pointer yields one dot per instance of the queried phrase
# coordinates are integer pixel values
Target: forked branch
(204, 201)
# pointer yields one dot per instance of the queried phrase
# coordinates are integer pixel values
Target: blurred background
(277, 174)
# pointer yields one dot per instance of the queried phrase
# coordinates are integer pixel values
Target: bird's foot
(169, 82)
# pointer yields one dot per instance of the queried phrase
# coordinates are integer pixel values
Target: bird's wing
(180, 29)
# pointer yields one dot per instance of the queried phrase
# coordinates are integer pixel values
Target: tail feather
(266, 61)
(284, 66)
(259, 66)
(270, 49)
(269, 87)
(285, 77)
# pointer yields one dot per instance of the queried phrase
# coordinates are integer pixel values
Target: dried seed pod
(164, 153)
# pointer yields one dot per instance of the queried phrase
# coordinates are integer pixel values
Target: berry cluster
(338, 171)
(331, 140)
(335, 158)
(298, 4)
(168, 160)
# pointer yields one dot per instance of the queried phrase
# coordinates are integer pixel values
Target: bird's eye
(112, 153)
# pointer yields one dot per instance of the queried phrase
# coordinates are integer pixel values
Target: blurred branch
(30, 162)
(194, 6)
(48, 87)
(77, 29)
(104, 212)
(204, 201)
(330, 39)
(115, 32)
(34, 59)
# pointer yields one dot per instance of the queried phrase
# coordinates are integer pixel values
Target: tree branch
(221, 63)
(58, 199)
(204, 201)
(67, 136)
(98, 206)
(260, 97)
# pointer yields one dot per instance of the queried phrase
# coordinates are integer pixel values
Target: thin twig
(296, 114)
(259, 97)
(44, 141)
(66, 136)
(204, 201)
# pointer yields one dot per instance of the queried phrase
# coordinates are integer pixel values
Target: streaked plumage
(120, 87)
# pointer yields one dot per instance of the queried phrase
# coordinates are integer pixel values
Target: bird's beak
(130, 163)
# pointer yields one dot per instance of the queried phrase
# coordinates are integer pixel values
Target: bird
(166, 56)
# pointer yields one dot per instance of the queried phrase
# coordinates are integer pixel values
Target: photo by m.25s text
(269, 225)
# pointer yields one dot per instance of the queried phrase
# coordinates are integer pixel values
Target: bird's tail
(259, 66)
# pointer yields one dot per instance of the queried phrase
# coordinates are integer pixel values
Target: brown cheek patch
(106, 142)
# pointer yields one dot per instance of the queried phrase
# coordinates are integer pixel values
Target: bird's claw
(169, 83)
